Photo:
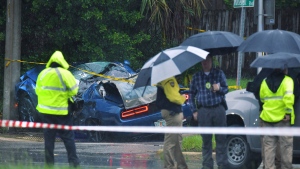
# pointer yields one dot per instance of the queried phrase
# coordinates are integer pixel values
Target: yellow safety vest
(277, 105)
(55, 86)
(171, 89)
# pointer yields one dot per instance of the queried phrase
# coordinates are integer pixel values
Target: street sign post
(243, 3)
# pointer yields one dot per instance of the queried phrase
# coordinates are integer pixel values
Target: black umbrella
(277, 60)
(215, 42)
(272, 41)
(168, 63)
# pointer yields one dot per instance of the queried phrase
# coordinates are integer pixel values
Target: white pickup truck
(244, 151)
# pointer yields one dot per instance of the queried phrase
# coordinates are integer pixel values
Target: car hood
(32, 73)
(241, 100)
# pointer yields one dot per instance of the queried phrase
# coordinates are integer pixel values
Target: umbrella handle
(145, 87)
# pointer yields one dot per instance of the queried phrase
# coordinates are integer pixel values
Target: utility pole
(12, 52)
(240, 54)
(260, 24)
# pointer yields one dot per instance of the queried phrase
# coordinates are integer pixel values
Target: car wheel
(27, 111)
(94, 136)
(240, 155)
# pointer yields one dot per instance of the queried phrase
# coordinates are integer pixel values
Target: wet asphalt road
(138, 155)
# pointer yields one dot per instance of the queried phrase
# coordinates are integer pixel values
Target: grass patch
(192, 143)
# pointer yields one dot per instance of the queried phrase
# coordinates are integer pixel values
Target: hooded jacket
(276, 94)
(55, 86)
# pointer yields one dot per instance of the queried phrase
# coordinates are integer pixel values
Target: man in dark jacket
(207, 93)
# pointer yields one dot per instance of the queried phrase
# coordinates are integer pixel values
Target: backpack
(161, 98)
(162, 102)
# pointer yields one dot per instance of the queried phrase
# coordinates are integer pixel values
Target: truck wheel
(239, 154)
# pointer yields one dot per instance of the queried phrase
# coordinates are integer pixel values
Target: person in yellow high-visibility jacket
(277, 97)
(169, 100)
(55, 86)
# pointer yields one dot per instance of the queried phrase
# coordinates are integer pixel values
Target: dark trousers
(213, 117)
(66, 135)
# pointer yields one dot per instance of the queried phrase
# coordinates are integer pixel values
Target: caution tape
(234, 87)
(86, 71)
(199, 30)
(287, 131)
(100, 75)
(21, 61)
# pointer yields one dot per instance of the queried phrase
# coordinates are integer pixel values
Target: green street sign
(243, 3)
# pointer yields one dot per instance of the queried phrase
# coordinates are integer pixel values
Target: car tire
(27, 111)
(94, 136)
(239, 154)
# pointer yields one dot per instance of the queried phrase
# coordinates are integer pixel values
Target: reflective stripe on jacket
(55, 86)
(277, 105)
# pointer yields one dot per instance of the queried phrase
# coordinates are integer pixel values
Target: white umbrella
(168, 63)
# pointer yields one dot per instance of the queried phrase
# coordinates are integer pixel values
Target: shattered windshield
(83, 71)
(88, 70)
(117, 71)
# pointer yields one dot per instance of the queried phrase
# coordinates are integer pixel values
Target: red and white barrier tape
(288, 131)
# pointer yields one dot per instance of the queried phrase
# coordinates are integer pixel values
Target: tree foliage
(94, 30)
(172, 18)
(84, 30)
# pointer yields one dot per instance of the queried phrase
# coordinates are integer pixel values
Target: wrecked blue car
(105, 98)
